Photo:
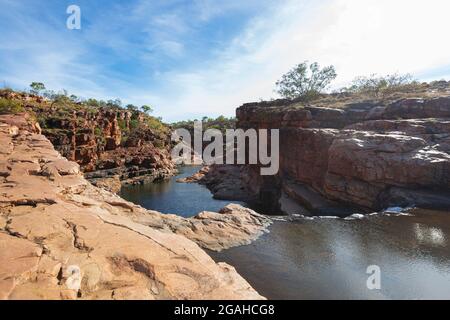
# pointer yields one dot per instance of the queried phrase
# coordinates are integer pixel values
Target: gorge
(349, 163)
(312, 254)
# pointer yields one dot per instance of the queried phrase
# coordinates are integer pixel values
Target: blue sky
(206, 57)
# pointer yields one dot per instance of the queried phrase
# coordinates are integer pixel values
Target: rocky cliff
(63, 238)
(351, 152)
(112, 145)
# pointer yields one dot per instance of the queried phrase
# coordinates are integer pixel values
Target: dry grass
(341, 100)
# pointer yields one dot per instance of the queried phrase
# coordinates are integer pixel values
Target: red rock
(356, 152)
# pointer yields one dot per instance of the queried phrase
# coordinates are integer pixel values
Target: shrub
(115, 104)
(10, 106)
(156, 124)
(122, 124)
(221, 123)
(6, 90)
(305, 82)
(95, 103)
(381, 85)
(131, 107)
(134, 123)
(98, 132)
(42, 121)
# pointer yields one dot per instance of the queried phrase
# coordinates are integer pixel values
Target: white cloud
(358, 37)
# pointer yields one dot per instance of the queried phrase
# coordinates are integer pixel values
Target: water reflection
(327, 258)
(429, 235)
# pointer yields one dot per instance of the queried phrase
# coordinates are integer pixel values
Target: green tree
(305, 81)
(147, 109)
(131, 107)
(116, 103)
(37, 87)
(93, 102)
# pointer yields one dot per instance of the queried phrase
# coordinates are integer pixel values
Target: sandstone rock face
(137, 160)
(95, 138)
(63, 238)
(367, 153)
(133, 165)
(224, 181)
(196, 177)
(22, 120)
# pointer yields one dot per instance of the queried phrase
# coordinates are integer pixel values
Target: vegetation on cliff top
(307, 82)
(380, 86)
(10, 106)
(221, 123)
(51, 109)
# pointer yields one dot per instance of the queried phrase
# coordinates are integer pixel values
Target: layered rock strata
(96, 143)
(349, 153)
(367, 153)
(107, 143)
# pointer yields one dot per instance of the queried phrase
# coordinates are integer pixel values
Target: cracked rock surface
(63, 238)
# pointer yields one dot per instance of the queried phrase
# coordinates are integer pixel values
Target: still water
(184, 199)
(326, 258)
